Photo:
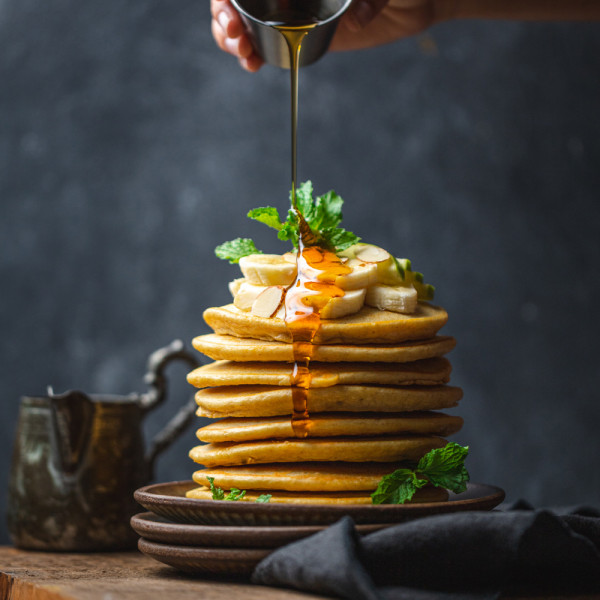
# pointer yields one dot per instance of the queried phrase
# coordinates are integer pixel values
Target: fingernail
(232, 46)
(223, 19)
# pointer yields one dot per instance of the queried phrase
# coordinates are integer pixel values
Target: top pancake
(228, 347)
(368, 326)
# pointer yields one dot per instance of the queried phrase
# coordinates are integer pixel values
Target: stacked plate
(231, 538)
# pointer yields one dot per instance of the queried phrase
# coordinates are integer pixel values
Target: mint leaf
(267, 215)
(329, 208)
(304, 199)
(397, 487)
(445, 467)
(235, 494)
(323, 215)
(264, 498)
(341, 239)
(236, 249)
(289, 230)
(442, 467)
(217, 493)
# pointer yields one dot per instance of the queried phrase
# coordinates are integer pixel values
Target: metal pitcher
(78, 459)
(270, 44)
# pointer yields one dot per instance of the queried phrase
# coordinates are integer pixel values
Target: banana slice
(235, 285)
(348, 304)
(246, 294)
(400, 299)
(362, 276)
(268, 269)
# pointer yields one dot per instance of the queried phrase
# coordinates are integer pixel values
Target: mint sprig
(442, 467)
(323, 215)
(236, 249)
(234, 493)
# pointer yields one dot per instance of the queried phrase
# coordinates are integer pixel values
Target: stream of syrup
(318, 267)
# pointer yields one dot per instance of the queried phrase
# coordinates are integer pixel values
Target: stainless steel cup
(270, 43)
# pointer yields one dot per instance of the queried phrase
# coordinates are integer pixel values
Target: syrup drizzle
(313, 288)
(318, 267)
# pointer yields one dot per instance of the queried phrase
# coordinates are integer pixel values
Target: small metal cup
(270, 43)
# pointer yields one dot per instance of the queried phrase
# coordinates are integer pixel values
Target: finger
(361, 13)
(227, 17)
(218, 34)
(252, 64)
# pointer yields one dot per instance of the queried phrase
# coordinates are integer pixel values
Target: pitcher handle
(157, 381)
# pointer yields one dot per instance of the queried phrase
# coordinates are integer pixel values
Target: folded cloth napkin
(466, 556)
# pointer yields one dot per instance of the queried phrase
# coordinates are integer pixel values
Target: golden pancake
(425, 494)
(331, 425)
(267, 401)
(368, 326)
(348, 449)
(228, 347)
(430, 371)
(299, 477)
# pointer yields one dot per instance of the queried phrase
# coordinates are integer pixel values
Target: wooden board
(132, 576)
(119, 575)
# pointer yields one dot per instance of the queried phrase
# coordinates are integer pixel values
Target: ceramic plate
(168, 500)
(157, 529)
(213, 561)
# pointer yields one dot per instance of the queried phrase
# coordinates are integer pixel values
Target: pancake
(299, 477)
(368, 326)
(425, 494)
(228, 347)
(268, 401)
(331, 425)
(346, 449)
(430, 371)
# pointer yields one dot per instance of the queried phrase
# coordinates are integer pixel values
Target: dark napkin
(467, 556)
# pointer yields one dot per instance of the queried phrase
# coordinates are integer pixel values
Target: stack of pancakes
(378, 381)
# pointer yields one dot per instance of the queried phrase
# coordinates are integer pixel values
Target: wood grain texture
(112, 576)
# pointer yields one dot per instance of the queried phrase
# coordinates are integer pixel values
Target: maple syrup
(318, 267)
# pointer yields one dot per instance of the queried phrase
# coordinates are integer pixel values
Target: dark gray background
(130, 147)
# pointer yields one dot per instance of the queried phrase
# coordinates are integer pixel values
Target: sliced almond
(247, 294)
(371, 254)
(268, 302)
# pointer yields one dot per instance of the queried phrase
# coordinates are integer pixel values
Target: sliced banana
(401, 299)
(268, 269)
(362, 276)
(246, 294)
(348, 304)
(235, 285)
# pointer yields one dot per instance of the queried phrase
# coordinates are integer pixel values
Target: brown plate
(214, 561)
(157, 529)
(168, 500)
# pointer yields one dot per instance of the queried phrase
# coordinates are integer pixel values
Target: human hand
(230, 35)
(370, 23)
(366, 23)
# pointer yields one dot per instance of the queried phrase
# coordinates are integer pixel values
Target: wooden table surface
(132, 576)
(115, 576)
